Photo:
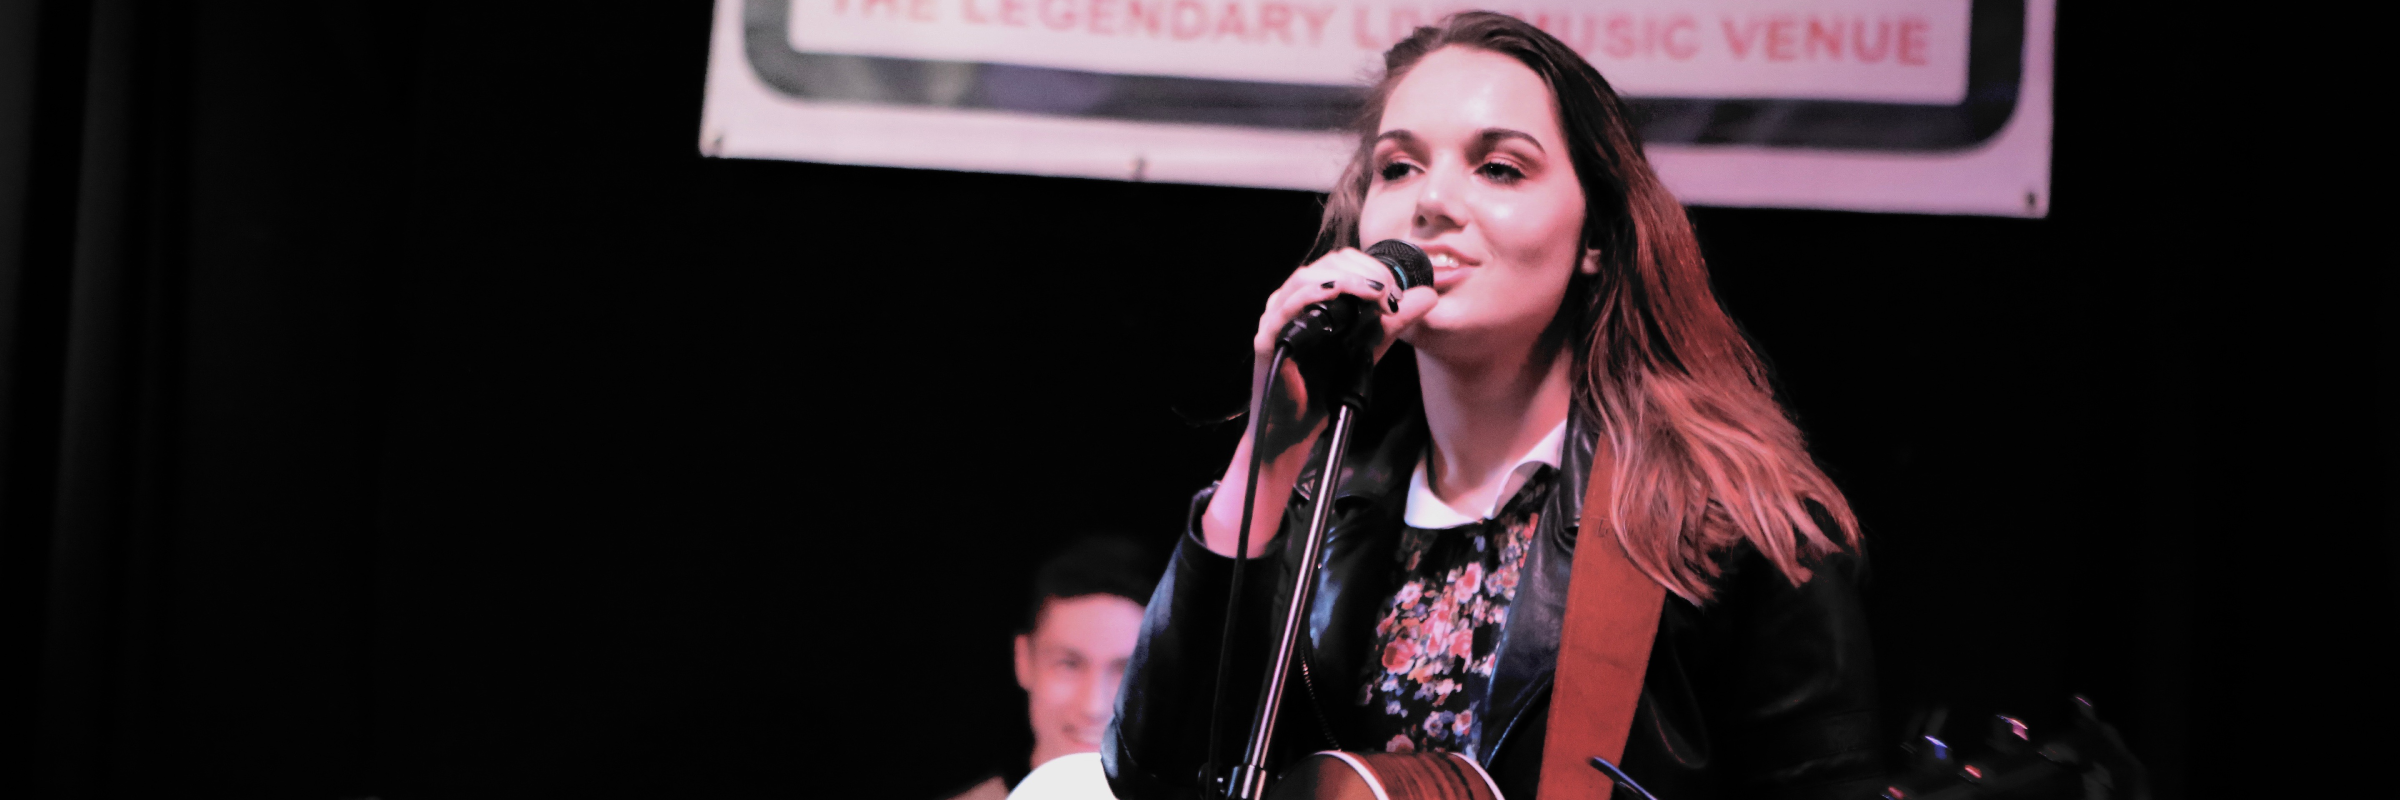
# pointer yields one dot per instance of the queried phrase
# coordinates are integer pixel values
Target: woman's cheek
(1382, 217)
(1514, 216)
(1503, 226)
(1534, 233)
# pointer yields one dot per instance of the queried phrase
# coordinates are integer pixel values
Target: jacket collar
(1425, 509)
(1370, 499)
(1382, 468)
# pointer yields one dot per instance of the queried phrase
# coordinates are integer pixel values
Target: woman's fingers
(1345, 271)
(1373, 291)
(1407, 309)
(1376, 294)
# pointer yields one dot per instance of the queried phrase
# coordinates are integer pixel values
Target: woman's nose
(1438, 199)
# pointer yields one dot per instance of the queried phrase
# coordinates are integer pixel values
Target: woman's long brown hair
(1704, 455)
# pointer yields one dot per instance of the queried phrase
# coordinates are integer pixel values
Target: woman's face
(1470, 164)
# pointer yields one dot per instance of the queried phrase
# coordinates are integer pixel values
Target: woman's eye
(1503, 173)
(1396, 170)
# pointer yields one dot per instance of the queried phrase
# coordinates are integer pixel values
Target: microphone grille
(1408, 263)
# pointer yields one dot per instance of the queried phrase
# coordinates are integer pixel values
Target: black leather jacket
(1768, 691)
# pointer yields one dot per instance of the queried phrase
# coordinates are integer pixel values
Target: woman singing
(1570, 328)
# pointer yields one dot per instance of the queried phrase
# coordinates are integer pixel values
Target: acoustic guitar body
(1334, 775)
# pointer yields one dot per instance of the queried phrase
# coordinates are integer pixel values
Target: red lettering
(1275, 17)
(1056, 17)
(1141, 17)
(1098, 19)
(1782, 36)
(1562, 26)
(1682, 49)
(868, 7)
(1858, 40)
(1358, 30)
(1012, 12)
(974, 17)
(1231, 24)
(1621, 43)
(1912, 40)
(1824, 36)
(1548, 21)
(1622, 36)
(1316, 18)
(1742, 41)
(1198, 19)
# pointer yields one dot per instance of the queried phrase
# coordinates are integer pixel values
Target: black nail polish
(1328, 284)
(1377, 284)
(1394, 300)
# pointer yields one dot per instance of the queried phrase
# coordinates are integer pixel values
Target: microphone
(1345, 320)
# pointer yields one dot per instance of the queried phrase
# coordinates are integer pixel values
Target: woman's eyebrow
(1492, 136)
(1489, 137)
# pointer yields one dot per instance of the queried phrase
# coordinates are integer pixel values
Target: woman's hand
(1345, 271)
(1288, 422)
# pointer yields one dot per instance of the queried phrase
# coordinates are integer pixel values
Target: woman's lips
(1447, 278)
(1448, 267)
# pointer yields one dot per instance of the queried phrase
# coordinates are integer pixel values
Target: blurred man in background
(1077, 634)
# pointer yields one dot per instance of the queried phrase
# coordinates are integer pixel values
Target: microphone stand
(1328, 330)
(1249, 778)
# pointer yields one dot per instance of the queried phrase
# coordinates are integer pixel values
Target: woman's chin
(1455, 320)
(1434, 337)
(1462, 337)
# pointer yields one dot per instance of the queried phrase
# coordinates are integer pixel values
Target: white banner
(1937, 106)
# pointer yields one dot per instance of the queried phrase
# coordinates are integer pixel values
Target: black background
(397, 405)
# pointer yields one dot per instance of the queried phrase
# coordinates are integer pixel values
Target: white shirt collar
(1426, 509)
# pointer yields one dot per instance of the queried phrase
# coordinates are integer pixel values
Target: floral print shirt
(1426, 684)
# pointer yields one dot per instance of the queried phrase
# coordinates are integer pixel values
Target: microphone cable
(1410, 267)
(1215, 776)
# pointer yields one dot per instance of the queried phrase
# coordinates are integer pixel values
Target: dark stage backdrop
(397, 406)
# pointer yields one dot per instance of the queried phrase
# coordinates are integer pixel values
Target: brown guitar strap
(1603, 652)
